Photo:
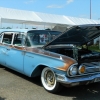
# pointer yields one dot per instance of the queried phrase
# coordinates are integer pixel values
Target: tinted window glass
(7, 38)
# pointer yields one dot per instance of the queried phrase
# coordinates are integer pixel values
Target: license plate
(97, 79)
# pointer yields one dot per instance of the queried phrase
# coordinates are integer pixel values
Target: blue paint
(32, 60)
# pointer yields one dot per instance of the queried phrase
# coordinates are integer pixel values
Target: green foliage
(94, 48)
(48, 29)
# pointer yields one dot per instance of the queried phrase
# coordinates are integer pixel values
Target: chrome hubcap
(49, 78)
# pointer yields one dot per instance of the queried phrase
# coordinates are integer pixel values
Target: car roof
(25, 30)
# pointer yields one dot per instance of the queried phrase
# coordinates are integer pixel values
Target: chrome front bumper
(78, 80)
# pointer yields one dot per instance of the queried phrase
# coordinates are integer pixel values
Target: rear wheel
(48, 80)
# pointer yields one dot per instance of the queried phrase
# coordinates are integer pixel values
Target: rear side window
(7, 38)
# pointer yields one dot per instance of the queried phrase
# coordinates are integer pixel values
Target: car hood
(77, 35)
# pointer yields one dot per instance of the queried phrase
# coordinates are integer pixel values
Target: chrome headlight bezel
(71, 71)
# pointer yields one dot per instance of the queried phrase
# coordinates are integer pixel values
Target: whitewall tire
(48, 80)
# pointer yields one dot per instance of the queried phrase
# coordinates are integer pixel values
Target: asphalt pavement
(15, 86)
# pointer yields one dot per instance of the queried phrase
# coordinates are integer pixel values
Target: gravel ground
(15, 86)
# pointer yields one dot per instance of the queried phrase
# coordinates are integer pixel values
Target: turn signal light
(81, 69)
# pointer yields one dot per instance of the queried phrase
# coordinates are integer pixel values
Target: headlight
(73, 70)
(82, 69)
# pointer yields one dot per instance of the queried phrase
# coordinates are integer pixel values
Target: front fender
(33, 61)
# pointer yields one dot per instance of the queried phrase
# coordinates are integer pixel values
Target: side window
(17, 40)
(27, 43)
(7, 38)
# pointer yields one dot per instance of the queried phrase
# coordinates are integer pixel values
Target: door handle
(8, 49)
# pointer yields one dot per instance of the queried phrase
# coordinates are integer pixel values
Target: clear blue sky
(75, 8)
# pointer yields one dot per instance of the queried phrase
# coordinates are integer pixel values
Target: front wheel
(48, 80)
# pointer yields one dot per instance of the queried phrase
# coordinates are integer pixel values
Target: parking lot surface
(15, 86)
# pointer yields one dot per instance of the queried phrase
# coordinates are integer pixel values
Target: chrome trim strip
(46, 55)
(36, 53)
(93, 67)
(89, 67)
(85, 74)
(67, 80)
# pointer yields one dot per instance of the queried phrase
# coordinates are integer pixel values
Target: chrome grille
(92, 67)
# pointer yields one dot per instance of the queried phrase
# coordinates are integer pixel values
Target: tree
(8, 27)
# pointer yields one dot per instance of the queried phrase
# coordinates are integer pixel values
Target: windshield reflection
(40, 38)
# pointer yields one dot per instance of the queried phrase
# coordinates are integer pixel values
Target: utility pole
(0, 22)
(99, 37)
(90, 9)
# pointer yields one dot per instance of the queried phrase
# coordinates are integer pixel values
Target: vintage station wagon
(58, 58)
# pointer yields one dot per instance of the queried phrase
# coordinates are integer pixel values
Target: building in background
(14, 18)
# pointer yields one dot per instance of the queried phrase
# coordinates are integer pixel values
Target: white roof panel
(7, 13)
(80, 21)
(52, 18)
(29, 17)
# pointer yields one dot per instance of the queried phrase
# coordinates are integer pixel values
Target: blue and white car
(58, 58)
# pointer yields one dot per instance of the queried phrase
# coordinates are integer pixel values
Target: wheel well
(38, 70)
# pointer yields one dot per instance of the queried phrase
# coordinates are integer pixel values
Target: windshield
(42, 37)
